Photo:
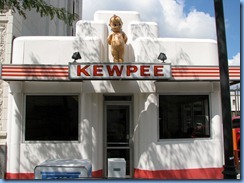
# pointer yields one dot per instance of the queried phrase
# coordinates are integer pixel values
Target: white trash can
(116, 168)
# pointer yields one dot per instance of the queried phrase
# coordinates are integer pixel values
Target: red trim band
(19, 176)
(200, 173)
(61, 72)
(95, 174)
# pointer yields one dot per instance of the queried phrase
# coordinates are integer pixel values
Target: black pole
(229, 167)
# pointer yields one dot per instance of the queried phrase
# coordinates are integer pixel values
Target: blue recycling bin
(63, 169)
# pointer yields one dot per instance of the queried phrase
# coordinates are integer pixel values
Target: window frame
(49, 141)
(185, 139)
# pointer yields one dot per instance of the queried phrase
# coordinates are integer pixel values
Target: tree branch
(41, 7)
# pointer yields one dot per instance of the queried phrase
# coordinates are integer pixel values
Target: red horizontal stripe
(37, 74)
(95, 174)
(202, 77)
(60, 71)
(192, 75)
(36, 78)
(34, 70)
(35, 67)
(194, 68)
(201, 74)
(201, 71)
(196, 73)
(198, 173)
(56, 71)
(201, 173)
(19, 175)
(202, 68)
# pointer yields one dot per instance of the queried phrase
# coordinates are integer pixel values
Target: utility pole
(229, 167)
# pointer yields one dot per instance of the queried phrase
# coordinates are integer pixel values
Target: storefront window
(183, 116)
(51, 118)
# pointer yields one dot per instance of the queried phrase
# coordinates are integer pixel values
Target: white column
(97, 132)
(14, 127)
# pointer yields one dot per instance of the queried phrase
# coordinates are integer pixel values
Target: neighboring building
(12, 25)
(235, 98)
(164, 119)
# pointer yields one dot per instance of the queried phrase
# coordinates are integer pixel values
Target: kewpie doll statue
(117, 39)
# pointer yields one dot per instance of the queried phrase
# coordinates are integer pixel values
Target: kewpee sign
(124, 71)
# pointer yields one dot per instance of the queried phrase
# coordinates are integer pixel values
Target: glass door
(118, 143)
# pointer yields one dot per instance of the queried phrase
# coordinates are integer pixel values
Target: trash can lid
(66, 162)
(116, 159)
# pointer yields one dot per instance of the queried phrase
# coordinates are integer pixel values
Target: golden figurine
(117, 39)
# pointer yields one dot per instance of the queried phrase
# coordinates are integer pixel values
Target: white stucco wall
(150, 153)
(26, 155)
(91, 41)
(155, 154)
(58, 50)
(55, 50)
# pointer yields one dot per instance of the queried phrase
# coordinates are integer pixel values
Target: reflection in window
(183, 116)
(51, 118)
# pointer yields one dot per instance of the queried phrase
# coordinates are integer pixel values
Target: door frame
(131, 143)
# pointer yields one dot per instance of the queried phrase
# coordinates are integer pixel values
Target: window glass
(51, 118)
(183, 116)
(236, 123)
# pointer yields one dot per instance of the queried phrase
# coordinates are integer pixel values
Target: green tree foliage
(40, 6)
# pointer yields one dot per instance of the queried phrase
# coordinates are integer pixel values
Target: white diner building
(163, 118)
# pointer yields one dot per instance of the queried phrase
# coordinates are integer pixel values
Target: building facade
(12, 25)
(235, 98)
(164, 119)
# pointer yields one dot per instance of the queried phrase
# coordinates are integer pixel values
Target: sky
(180, 18)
